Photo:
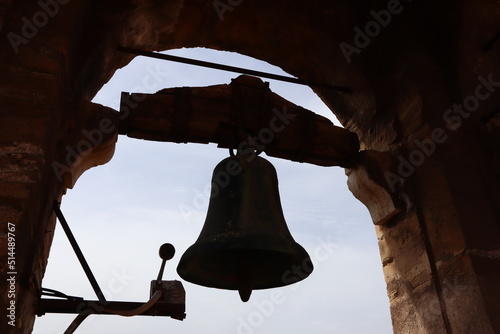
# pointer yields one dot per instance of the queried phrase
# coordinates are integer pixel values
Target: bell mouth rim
(225, 255)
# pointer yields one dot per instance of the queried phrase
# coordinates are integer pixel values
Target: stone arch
(244, 29)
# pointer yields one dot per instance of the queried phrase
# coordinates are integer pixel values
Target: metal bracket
(168, 297)
(78, 252)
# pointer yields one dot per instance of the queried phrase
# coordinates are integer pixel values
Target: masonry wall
(436, 212)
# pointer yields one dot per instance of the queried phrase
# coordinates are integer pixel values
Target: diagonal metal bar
(78, 252)
(235, 69)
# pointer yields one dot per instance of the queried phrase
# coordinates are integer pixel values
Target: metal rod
(174, 310)
(78, 252)
(55, 293)
(229, 68)
(160, 274)
(78, 321)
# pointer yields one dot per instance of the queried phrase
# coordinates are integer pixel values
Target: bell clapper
(245, 276)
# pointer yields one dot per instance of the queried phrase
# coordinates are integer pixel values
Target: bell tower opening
(156, 192)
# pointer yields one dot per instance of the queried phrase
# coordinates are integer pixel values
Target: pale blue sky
(151, 193)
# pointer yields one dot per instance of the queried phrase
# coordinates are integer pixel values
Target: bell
(245, 243)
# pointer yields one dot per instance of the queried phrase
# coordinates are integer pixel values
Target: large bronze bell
(245, 243)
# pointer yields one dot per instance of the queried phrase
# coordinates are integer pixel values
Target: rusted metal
(245, 243)
(173, 310)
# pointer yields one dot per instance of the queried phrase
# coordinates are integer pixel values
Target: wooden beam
(241, 114)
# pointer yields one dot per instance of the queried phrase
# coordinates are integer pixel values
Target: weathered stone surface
(367, 181)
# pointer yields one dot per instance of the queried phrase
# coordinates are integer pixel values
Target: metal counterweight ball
(167, 251)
